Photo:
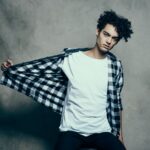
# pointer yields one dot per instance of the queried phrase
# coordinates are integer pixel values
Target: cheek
(113, 44)
(101, 40)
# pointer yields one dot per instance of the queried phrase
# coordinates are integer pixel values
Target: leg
(107, 141)
(68, 141)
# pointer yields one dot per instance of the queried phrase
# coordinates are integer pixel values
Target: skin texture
(106, 39)
(6, 64)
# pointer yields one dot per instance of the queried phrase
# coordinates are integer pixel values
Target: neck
(97, 53)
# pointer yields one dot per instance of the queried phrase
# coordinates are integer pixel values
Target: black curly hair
(123, 25)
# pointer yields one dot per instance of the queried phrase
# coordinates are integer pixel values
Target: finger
(9, 61)
(3, 67)
(6, 64)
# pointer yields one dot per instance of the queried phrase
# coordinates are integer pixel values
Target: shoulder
(113, 57)
(114, 60)
(74, 50)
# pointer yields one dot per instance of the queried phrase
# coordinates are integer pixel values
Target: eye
(106, 34)
(115, 39)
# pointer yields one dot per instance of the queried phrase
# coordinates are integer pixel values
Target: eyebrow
(115, 37)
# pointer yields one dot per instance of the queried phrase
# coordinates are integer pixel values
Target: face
(107, 38)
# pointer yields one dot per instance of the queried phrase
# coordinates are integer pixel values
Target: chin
(104, 50)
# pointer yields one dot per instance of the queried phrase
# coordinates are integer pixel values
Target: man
(82, 84)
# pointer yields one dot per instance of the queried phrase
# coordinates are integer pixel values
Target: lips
(106, 46)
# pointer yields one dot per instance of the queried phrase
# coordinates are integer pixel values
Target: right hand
(6, 64)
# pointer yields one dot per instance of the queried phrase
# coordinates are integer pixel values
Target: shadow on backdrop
(38, 122)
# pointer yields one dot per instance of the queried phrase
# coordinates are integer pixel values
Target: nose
(109, 40)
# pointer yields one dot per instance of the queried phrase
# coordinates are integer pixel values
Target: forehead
(111, 30)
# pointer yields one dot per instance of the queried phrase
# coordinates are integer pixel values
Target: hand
(121, 139)
(6, 64)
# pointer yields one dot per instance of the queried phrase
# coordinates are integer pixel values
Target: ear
(97, 32)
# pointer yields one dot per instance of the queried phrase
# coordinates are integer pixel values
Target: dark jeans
(70, 140)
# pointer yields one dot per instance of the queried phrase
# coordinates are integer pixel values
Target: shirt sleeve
(40, 79)
(119, 84)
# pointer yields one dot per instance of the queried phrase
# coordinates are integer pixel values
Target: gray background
(31, 29)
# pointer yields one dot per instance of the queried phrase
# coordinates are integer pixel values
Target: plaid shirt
(45, 82)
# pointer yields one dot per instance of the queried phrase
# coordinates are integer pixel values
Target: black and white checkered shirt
(45, 82)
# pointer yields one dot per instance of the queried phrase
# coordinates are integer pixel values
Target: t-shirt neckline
(93, 59)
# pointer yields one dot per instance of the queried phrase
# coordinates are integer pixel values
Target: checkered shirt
(44, 81)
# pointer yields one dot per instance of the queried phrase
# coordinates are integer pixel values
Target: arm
(37, 79)
(120, 82)
(121, 129)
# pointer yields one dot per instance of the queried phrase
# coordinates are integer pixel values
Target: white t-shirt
(85, 105)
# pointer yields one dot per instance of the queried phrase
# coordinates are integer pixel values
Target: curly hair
(123, 25)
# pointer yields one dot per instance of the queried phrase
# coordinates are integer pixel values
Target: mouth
(106, 46)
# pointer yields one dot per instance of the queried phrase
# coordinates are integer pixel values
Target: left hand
(121, 139)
